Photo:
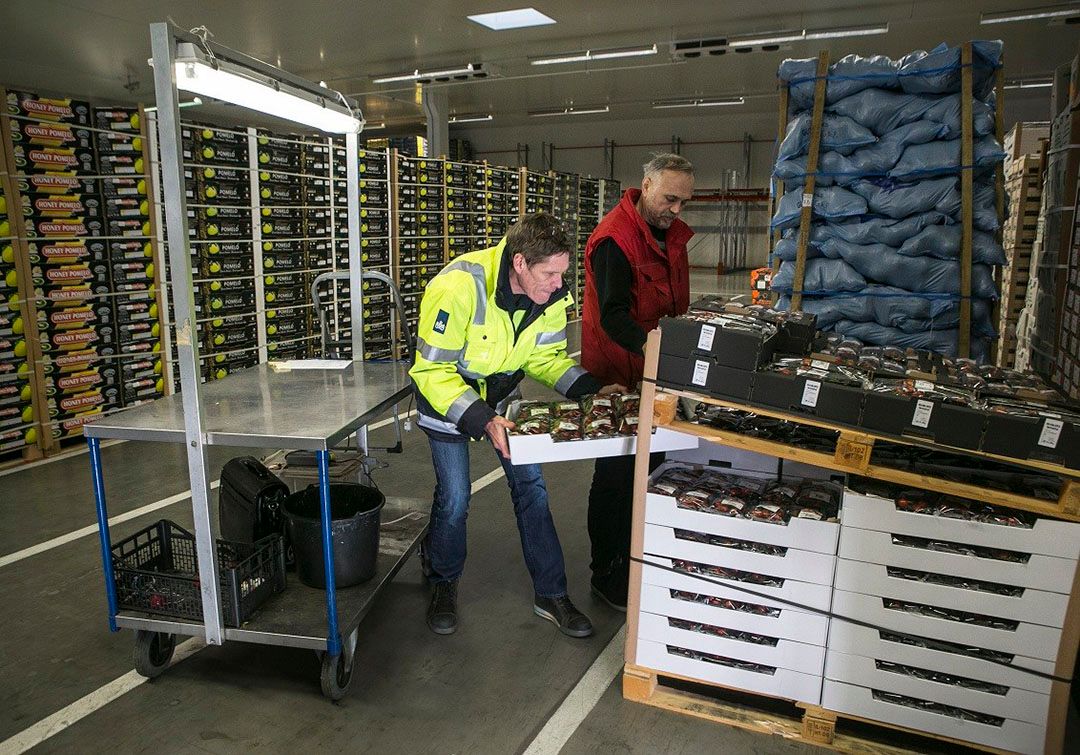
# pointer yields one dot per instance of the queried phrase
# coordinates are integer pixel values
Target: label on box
(701, 372)
(924, 385)
(810, 393)
(705, 340)
(923, 410)
(819, 364)
(1051, 432)
(807, 200)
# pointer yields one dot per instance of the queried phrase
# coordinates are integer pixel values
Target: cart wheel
(336, 675)
(153, 651)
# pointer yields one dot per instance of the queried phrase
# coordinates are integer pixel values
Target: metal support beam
(436, 107)
(163, 47)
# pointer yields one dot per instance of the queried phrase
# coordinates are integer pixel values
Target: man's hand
(614, 388)
(496, 430)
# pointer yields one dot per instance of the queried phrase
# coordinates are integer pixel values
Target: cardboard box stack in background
(1024, 165)
(1047, 330)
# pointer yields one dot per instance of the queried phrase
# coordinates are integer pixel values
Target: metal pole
(103, 528)
(333, 638)
(163, 47)
(356, 296)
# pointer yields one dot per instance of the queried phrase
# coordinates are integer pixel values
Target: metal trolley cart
(313, 410)
(305, 409)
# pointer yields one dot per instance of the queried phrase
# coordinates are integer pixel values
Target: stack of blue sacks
(883, 260)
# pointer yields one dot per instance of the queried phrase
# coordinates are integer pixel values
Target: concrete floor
(490, 688)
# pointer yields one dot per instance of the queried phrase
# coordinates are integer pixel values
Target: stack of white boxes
(880, 675)
(786, 653)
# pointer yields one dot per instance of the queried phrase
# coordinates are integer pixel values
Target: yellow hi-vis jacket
(465, 343)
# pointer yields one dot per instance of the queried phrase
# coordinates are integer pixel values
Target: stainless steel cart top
(303, 409)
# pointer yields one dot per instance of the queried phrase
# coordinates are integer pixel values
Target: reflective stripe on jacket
(465, 341)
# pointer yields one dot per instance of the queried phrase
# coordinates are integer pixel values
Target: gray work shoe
(562, 613)
(442, 610)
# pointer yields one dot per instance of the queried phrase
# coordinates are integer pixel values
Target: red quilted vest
(660, 288)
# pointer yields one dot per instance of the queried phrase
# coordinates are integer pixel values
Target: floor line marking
(84, 706)
(66, 454)
(577, 705)
(99, 698)
(90, 529)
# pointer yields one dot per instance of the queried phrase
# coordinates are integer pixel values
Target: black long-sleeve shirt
(614, 278)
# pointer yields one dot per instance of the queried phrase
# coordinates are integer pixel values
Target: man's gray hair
(667, 161)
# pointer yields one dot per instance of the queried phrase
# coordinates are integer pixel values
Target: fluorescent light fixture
(519, 18)
(469, 70)
(374, 126)
(1030, 14)
(569, 111)
(193, 102)
(698, 102)
(1029, 84)
(587, 55)
(799, 35)
(470, 118)
(212, 77)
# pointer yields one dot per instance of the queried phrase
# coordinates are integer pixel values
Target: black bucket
(354, 527)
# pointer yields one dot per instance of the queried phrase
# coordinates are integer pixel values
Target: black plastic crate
(156, 571)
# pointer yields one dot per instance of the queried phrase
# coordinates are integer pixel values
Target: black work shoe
(612, 588)
(442, 611)
(561, 612)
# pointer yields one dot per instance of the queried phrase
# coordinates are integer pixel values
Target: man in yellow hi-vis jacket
(490, 318)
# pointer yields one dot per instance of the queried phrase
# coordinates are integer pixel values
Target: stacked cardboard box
(1023, 190)
(376, 253)
(421, 230)
(588, 216)
(133, 275)
(63, 222)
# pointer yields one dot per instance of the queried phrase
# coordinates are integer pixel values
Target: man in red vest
(636, 271)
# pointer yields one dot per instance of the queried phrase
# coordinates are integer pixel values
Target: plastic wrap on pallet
(895, 308)
(905, 246)
(919, 72)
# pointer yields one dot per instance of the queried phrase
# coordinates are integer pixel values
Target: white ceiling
(98, 48)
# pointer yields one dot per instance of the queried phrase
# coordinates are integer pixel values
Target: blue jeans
(445, 544)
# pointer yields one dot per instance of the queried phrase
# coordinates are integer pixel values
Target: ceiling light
(470, 118)
(469, 71)
(1030, 14)
(193, 102)
(374, 126)
(519, 18)
(1029, 84)
(569, 111)
(698, 102)
(221, 79)
(799, 35)
(587, 55)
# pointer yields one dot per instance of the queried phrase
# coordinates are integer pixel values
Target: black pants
(611, 506)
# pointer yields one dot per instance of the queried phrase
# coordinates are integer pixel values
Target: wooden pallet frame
(814, 726)
(817, 725)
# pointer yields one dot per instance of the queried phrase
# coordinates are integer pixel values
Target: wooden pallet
(853, 455)
(806, 722)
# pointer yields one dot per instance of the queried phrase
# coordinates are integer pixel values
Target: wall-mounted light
(698, 102)
(1029, 83)
(468, 71)
(193, 102)
(799, 35)
(1030, 14)
(212, 76)
(549, 113)
(470, 118)
(588, 55)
